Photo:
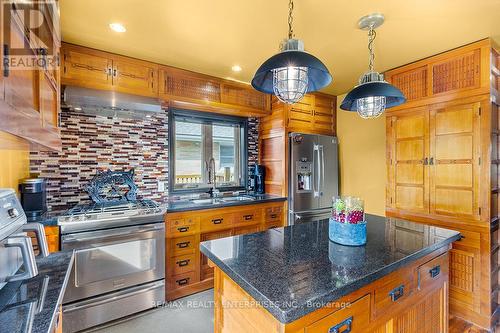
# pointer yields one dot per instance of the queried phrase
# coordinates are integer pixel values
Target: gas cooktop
(106, 215)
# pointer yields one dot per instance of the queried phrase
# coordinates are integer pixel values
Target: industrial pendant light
(291, 73)
(373, 94)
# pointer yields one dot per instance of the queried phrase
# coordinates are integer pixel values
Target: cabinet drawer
(181, 264)
(246, 230)
(394, 289)
(216, 222)
(350, 319)
(274, 214)
(180, 281)
(432, 270)
(179, 227)
(250, 216)
(181, 245)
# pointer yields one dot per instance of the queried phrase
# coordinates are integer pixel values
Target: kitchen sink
(239, 198)
(205, 201)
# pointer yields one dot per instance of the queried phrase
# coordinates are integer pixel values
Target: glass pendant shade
(290, 83)
(291, 73)
(371, 107)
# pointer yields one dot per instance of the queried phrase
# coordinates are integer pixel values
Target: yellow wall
(14, 160)
(362, 158)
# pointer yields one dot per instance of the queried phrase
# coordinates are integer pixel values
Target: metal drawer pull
(183, 245)
(248, 217)
(397, 293)
(435, 271)
(183, 229)
(217, 221)
(182, 263)
(337, 328)
(182, 282)
(273, 216)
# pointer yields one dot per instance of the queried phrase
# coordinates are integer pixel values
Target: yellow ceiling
(210, 36)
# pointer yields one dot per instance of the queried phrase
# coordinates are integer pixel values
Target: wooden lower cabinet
(422, 308)
(187, 270)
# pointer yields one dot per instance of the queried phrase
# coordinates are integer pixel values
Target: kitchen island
(294, 279)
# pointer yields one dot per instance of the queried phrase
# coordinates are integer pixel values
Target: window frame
(206, 117)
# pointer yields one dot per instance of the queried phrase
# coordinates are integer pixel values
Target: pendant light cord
(371, 38)
(290, 19)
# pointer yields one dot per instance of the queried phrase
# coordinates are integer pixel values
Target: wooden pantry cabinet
(175, 88)
(30, 98)
(187, 270)
(442, 165)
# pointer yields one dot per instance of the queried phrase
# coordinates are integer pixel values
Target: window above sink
(194, 139)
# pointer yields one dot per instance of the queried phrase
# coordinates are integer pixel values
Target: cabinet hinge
(479, 210)
(391, 199)
(479, 110)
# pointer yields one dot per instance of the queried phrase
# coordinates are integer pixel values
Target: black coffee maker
(257, 176)
(33, 197)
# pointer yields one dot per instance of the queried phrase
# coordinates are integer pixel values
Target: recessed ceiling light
(236, 68)
(118, 27)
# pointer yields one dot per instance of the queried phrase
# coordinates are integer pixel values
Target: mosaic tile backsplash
(91, 143)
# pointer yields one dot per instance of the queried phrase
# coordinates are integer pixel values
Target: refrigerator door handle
(321, 181)
(317, 170)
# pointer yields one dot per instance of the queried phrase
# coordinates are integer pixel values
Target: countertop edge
(63, 290)
(295, 314)
(222, 205)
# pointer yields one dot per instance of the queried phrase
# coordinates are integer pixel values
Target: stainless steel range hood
(109, 103)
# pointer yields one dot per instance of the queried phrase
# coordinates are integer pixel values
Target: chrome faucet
(212, 178)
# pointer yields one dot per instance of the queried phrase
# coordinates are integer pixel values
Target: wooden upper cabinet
(49, 100)
(135, 77)
(181, 88)
(454, 165)
(94, 69)
(82, 67)
(454, 74)
(21, 91)
(407, 138)
(314, 114)
(324, 112)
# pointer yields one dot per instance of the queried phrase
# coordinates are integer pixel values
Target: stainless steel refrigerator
(313, 178)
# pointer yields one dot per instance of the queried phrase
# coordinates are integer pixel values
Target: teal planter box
(347, 233)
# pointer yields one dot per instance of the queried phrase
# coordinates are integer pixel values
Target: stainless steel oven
(116, 272)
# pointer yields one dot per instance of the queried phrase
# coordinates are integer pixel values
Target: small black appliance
(33, 197)
(257, 176)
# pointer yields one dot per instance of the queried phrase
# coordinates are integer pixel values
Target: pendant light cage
(290, 83)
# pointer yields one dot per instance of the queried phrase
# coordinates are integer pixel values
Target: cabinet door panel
(85, 69)
(135, 78)
(21, 84)
(49, 105)
(409, 149)
(454, 169)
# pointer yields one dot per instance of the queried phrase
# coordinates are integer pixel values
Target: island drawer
(432, 270)
(248, 216)
(182, 226)
(217, 221)
(181, 264)
(273, 214)
(393, 289)
(180, 246)
(180, 281)
(354, 318)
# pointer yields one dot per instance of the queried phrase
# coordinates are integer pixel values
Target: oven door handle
(39, 231)
(23, 243)
(78, 238)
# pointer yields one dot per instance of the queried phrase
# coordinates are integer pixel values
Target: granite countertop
(295, 270)
(25, 307)
(187, 205)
